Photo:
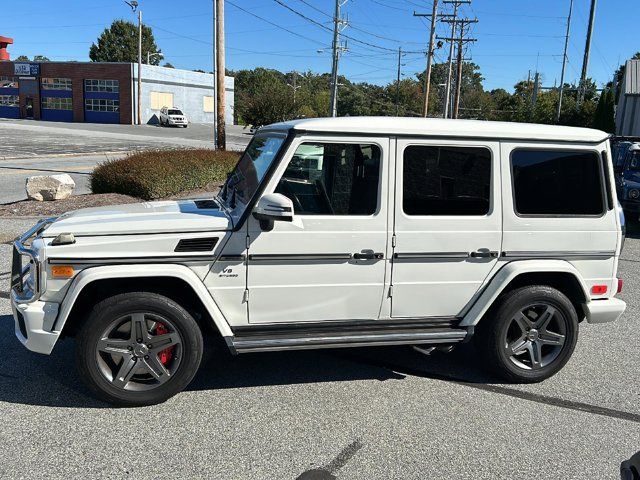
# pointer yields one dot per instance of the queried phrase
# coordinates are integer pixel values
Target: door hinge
(390, 290)
(248, 241)
(393, 241)
(245, 297)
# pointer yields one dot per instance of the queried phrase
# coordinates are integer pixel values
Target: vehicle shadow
(33, 379)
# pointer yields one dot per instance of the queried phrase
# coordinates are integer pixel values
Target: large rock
(50, 187)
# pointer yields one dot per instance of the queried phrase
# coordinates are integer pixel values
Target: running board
(301, 340)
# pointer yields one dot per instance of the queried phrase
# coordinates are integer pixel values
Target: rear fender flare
(506, 274)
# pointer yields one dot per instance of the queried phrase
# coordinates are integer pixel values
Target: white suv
(173, 117)
(339, 233)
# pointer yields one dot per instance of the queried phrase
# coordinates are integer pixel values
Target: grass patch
(157, 174)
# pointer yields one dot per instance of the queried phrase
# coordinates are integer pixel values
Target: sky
(513, 36)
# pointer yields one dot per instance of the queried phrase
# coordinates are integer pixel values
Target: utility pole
(461, 40)
(536, 88)
(215, 77)
(294, 86)
(139, 67)
(432, 36)
(220, 74)
(564, 62)
(587, 51)
(338, 24)
(398, 82)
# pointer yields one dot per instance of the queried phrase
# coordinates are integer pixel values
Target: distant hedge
(160, 173)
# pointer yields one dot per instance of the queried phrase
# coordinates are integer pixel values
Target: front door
(329, 262)
(447, 224)
(28, 106)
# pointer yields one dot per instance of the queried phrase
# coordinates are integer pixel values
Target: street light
(134, 7)
(156, 54)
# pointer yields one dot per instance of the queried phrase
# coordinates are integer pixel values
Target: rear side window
(557, 182)
(333, 179)
(446, 180)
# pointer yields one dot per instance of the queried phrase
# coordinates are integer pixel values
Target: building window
(9, 82)
(57, 103)
(102, 105)
(446, 180)
(208, 104)
(110, 86)
(159, 100)
(557, 182)
(56, 83)
(9, 101)
(333, 179)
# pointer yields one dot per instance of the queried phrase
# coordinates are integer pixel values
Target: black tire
(91, 361)
(497, 328)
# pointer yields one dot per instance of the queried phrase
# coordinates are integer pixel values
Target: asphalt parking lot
(356, 414)
(29, 138)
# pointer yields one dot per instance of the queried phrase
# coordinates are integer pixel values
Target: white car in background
(173, 117)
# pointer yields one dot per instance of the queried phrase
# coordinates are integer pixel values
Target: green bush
(157, 174)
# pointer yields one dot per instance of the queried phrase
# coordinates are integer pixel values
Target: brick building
(104, 92)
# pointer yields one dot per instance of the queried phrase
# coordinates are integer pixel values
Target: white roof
(439, 127)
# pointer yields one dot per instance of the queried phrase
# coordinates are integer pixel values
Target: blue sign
(26, 69)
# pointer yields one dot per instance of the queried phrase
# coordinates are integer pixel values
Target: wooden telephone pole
(220, 74)
(432, 35)
(462, 23)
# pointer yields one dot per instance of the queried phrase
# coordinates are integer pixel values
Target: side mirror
(271, 208)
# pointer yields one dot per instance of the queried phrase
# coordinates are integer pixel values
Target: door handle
(484, 254)
(368, 255)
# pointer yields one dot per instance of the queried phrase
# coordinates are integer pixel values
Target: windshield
(252, 167)
(175, 112)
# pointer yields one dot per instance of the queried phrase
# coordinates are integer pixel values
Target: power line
(324, 27)
(274, 24)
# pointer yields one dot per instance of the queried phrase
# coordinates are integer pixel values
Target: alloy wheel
(139, 352)
(535, 336)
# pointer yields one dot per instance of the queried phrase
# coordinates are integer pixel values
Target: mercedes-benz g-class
(338, 233)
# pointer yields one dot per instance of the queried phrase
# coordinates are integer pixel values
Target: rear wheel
(531, 336)
(138, 349)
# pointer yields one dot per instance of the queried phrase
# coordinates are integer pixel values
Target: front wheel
(531, 334)
(138, 348)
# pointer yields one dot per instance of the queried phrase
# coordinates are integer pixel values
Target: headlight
(634, 194)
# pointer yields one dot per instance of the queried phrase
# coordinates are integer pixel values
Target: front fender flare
(506, 274)
(180, 272)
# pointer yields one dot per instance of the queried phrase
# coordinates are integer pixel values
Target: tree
(263, 97)
(168, 65)
(22, 58)
(119, 43)
(605, 111)
(40, 58)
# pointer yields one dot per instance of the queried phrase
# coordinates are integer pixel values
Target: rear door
(447, 224)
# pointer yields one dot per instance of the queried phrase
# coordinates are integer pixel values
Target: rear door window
(557, 182)
(446, 180)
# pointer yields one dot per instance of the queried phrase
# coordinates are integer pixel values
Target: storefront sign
(26, 69)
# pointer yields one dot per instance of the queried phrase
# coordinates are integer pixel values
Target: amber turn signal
(62, 271)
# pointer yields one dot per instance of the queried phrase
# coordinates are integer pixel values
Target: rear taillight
(620, 282)
(598, 290)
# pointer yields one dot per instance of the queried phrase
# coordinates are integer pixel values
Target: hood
(141, 218)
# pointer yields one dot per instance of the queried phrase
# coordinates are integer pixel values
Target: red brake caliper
(166, 354)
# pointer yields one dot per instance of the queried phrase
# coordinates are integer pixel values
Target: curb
(64, 155)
